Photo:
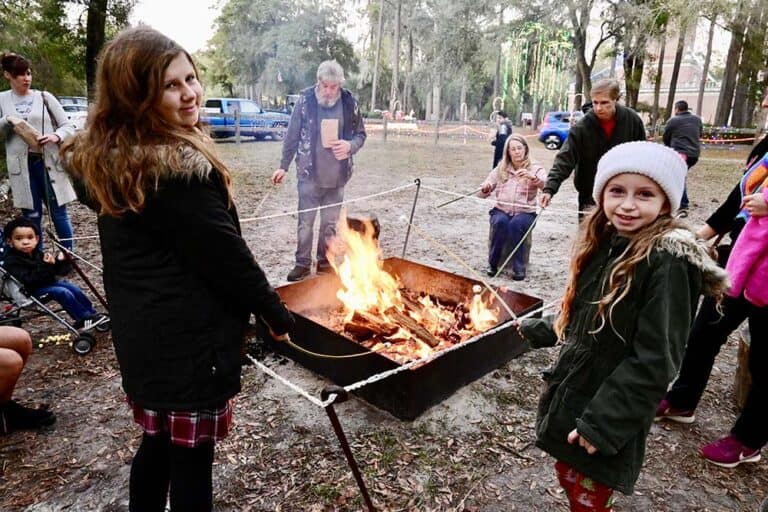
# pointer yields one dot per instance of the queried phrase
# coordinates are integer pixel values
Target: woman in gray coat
(35, 176)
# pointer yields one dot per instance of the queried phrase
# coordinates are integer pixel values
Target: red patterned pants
(584, 494)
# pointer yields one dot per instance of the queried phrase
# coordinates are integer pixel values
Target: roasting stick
(263, 200)
(519, 244)
(463, 264)
(290, 342)
(463, 196)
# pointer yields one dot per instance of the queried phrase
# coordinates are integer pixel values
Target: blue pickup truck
(220, 114)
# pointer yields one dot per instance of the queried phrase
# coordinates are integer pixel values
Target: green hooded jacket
(607, 384)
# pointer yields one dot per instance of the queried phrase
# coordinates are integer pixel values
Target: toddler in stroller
(29, 280)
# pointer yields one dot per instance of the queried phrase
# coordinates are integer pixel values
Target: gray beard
(326, 103)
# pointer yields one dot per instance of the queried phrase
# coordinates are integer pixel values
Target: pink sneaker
(665, 411)
(728, 452)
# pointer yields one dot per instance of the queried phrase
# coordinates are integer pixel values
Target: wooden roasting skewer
(459, 198)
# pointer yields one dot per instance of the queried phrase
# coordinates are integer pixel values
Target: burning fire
(406, 327)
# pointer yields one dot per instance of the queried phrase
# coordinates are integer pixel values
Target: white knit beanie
(660, 163)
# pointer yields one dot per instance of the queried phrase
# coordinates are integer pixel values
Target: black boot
(14, 416)
(298, 273)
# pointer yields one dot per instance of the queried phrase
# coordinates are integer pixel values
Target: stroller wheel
(83, 344)
(104, 326)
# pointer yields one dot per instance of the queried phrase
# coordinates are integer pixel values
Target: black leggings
(710, 332)
(159, 465)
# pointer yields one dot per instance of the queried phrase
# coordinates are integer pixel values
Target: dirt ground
(473, 452)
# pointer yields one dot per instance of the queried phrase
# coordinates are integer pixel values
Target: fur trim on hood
(682, 243)
(192, 163)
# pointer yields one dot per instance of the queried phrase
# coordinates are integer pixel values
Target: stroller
(17, 306)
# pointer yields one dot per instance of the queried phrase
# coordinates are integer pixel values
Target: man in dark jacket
(683, 134)
(503, 131)
(326, 129)
(605, 126)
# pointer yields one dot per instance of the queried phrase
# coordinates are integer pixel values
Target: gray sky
(188, 22)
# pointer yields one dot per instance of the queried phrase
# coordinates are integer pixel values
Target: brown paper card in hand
(329, 131)
(26, 131)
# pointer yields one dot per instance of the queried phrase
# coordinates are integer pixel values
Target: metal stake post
(341, 395)
(410, 220)
(68, 257)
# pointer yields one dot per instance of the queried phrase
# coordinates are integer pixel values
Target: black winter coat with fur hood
(181, 283)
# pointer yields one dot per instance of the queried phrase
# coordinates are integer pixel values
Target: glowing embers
(387, 317)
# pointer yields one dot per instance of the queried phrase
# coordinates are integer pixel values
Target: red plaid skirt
(187, 428)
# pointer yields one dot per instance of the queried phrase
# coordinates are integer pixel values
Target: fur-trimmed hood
(682, 243)
(192, 163)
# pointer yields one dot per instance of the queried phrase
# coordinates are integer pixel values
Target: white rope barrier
(383, 375)
(295, 387)
(490, 199)
(346, 201)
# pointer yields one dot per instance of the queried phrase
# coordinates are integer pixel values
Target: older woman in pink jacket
(516, 180)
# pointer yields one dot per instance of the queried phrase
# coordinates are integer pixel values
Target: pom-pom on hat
(660, 163)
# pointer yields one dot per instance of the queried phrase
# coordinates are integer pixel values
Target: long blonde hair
(596, 229)
(127, 144)
(505, 164)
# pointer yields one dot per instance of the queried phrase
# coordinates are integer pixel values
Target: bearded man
(325, 130)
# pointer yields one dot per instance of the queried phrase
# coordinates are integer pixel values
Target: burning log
(412, 325)
(364, 325)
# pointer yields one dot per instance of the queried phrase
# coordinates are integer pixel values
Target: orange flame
(367, 287)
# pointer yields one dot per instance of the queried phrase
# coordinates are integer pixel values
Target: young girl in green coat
(635, 281)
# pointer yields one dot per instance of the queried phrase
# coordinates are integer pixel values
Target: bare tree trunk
(705, 69)
(407, 106)
(393, 91)
(497, 75)
(657, 79)
(95, 26)
(676, 69)
(751, 60)
(463, 96)
(578, 91)
(725, 100)
(579, 14)
(379, 32)
(634, 62)
(436, 106)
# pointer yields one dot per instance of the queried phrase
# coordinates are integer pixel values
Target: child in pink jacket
(516, 181)
(748, 262)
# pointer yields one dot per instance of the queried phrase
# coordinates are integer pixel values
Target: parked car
(73, 100)
(554, 129)
(76, 113)
(219, 114)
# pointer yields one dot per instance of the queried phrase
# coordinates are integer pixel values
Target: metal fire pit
(408, 394)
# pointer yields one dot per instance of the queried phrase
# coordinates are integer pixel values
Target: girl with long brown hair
(634, 286)
(180, 280)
